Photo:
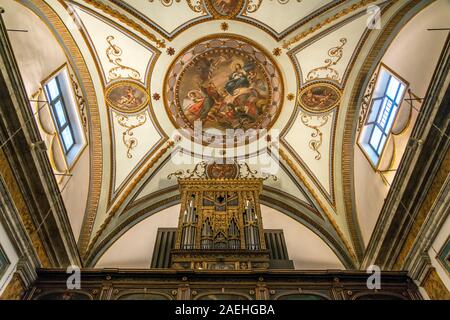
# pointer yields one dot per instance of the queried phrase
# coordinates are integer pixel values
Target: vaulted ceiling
(143, 65)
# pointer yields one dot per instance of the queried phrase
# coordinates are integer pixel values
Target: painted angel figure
(129, 98)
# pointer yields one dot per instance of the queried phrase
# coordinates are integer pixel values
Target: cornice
(27, 247)
(418, 260)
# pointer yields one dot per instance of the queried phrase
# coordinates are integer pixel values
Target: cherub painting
(225, 7)
(319, 97)
(127, 97)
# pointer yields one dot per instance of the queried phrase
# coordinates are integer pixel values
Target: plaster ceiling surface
(160, 66)
(309, 254)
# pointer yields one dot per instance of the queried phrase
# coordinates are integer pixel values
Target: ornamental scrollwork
(166, 3)
(199, 172)
(81, 103)
(365, 101)
(236, 170)
(245, 172)
(254, 5)
(316, 136)
(114, 53)
(194, 5)
(327, 71)
(128, 138)
(326, 21)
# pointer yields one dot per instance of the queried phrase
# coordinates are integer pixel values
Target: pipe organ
(220, 225)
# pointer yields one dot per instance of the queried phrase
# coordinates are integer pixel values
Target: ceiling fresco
(223, 83)
(161, 68)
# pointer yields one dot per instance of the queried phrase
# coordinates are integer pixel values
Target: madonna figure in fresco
(238, 79)
(225, 92)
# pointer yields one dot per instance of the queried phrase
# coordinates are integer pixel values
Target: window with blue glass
(60, 113)
(386, 100)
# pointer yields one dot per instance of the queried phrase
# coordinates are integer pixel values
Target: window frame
(7, 262)
(364, 145)
(78, 133)
(52, 101)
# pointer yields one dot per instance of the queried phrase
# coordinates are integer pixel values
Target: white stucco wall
(135, 248)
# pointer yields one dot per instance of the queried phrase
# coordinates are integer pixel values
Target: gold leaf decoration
(327, 71)
(128, 138)
(317, 136)
(114, 53)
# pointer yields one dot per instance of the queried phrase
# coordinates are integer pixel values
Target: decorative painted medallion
(224, 9)
(223, 83)
(319, 97)
(222, 171)
(126, 96)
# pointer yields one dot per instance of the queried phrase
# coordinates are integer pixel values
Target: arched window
(59, 93)
(301, 297)
(385, 103)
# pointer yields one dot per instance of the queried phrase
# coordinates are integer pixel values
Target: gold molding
(335, 53)
(128, 138)
(434, 286)
(424, 210)
(197, 7)
(84, 79)
(144, 104)
(15, 289)
(20, 205)
(311, 86)
(160, 43)
(114, 53)
(112, 193)
(323, 207)
(138, 178)
(340, 14)
(317, 136)
(351, 118)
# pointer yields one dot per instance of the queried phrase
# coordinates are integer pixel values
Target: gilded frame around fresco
(246, 40)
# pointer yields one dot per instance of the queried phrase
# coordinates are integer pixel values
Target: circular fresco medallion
(223, 83)
(222, 171)
(319, 97)
(127, 96)
(224, 9)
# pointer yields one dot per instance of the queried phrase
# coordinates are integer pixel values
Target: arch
(223, 296)
(64, 295)
(304, 295)
(378, 296)
(141, 295)
(129, 222)
(368, 59)
(77, 62)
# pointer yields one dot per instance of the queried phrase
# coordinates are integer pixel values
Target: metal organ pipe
(189, 228)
